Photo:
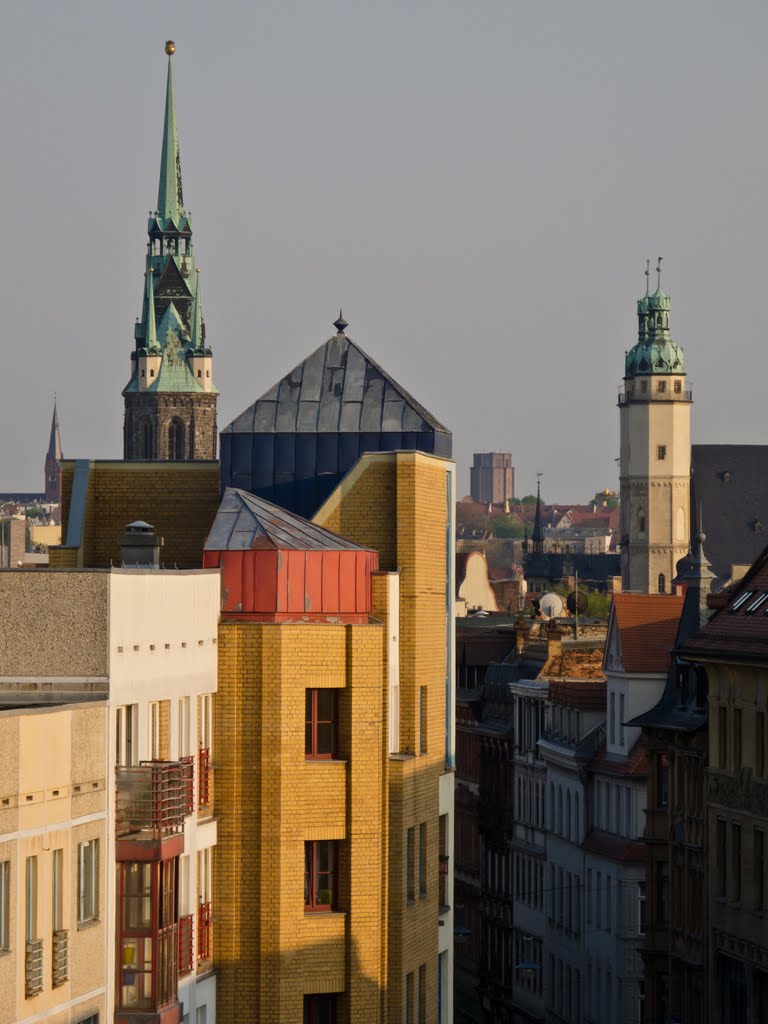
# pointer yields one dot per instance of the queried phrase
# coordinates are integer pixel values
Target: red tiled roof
(635, 764)
(587, 695)
(614, 847)
(647, 625)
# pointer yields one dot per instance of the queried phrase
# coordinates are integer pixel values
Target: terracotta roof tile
(647, 625)
(635, 764)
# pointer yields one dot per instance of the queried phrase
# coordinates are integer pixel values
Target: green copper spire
(170, 201)
(197, 317)
(655, 352)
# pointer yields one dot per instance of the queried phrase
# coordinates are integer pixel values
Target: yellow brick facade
(271, 799)
(179, 499)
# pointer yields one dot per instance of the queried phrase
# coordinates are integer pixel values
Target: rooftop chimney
(139, 546)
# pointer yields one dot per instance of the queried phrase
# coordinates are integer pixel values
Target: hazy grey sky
(477, 183)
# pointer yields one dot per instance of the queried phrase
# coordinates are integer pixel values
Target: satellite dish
(577, 602)
(552, 606)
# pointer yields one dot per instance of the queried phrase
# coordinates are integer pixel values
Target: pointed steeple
(695, 571)
(197, 316)
(151, 323)
(170, 201)
(54, 445)
(538, 530)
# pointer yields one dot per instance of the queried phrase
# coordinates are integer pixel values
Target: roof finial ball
(340, 324)
(170, 47)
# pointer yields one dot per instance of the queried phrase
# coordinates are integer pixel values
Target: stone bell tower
(170, 400)
(655, 463)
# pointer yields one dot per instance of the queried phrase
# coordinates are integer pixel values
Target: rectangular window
(662, 891)
(736, 863)
(678, 387)
(621, 719)
(30, 899)
(722, 857)
(422, 719)
(320, 1009)
(185, 748)
(409, 998)
(87, 881)
(423, 859)
(321, 717)
(661, 386)
(722, 737)
(598, 901)
(661, 452)
(154, 731)
(759, 869)
(126, 734)
(422, 995)
(589, 896)
(409, 865)
(737, 739)
(641, 908)
(5, 904)
(760, 744)
(57, 891)
(319, 874)
(613, 717)
(662, 780)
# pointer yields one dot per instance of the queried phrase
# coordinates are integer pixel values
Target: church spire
(538, 530)
(54, 445)
(197, 316)
(170, 201)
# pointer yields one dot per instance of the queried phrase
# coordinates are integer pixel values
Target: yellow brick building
(380, 949)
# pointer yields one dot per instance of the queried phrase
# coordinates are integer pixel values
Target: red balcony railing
(204, 931)
(186, 950)
(189, 794)
(204, 777)
(153, 798)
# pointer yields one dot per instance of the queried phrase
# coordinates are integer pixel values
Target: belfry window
(176, 440)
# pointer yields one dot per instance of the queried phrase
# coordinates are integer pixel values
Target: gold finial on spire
(170, 47)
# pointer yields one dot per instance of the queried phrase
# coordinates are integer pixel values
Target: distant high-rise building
(53, 459)
(170, 400)
(492, 477)
(655, 463)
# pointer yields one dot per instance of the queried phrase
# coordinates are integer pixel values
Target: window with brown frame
(320, 874)
(321, 717)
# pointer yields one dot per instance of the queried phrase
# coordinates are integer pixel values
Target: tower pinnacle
(170, 201)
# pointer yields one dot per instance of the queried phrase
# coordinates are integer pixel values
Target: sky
(478, 185)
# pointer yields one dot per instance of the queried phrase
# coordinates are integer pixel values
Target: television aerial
(551, 605)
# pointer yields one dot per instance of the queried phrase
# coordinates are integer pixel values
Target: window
(185, 748)
(644, 385)
(409, 872)
(641, 908)
(598, 900)
(722, 737)
(722, 855)
(613, 717)
(321, 716)
(422, 719)
(320, 1009)
(621, 719)
(319, 874)
(30, 899)
(661, 452)
(422, 995)
(662, 780)
(87, 881)
(146, 437)
(589, 896)
(93, 1019)
(662, 583)
(57, 891)
(176, 440)
(642, 524)
(661, 386)
(409, 998)
(126, 733)
(662, 891)
(736, 863)
(736, 739)
(154, 731)
(760, 744)
(423, 859)
(759, 869)
(678, 387)
(5, 904)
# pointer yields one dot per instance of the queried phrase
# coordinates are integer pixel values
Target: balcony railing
(204, 932)
(668, 395)
(33, 968)
(186, 950)
(204, 777)
(153, 798)
(60, 960)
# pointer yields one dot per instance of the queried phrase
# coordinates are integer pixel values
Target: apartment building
(53, 839)
(144, 641)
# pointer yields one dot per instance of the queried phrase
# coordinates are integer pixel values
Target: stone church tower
(655, 464)
(170, 400)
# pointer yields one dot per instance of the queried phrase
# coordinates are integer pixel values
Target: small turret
(200, 358)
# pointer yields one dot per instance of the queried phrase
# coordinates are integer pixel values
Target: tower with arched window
(170, 400)
(655, 462)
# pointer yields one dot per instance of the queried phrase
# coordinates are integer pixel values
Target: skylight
(752, 608)
(741, 600)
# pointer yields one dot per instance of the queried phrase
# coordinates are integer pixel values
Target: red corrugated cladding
(295, 585)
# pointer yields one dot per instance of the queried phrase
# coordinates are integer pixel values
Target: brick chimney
(554, 642)
(522, 629)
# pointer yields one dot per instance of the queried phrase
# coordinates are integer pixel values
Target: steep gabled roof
(245, 522)
(646, 625)
(338, 388)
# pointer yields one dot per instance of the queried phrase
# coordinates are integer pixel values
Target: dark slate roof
(730, 483)
(337, 389)
(245, 522)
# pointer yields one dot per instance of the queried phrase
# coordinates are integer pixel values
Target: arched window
(176, 440)
(662, 583)
(146, 440)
